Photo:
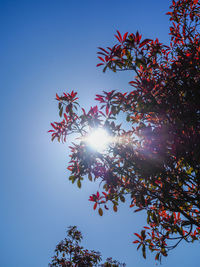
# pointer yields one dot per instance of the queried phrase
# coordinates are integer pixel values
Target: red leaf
(157, 256)
(91, 198)
(107, 110)
(102, 113)
(70, 168)
(83, 111)
(138, 235)
(101, 53)
(138, 209)
(120, 37)
(117, 38)
(103, 50)
(136, 241)
(101, 59)
(144, 42)
(99, 64)
(95, 206)
(53, 126)
(65, 117)
(132, 83)
(115, 208)
(125, 35)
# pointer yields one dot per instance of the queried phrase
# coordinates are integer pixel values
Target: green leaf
(113, 110)
(189, 172)
(53, 137)
(128, 118)
(61, 111)
(122, 198)
(157, 256)
(144, 251)
(148, 216)
(71, 177)
(139, 62)
(154, 218)
(104, 69)
(163, 251)
(79, 183)
(90, 177)
(143, 234)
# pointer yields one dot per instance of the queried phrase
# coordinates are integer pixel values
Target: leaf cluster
(155, 158)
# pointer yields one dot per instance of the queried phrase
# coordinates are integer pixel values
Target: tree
(156, 158)
(69, 253)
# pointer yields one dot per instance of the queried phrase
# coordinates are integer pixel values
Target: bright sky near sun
(48, 47)
(98, 139)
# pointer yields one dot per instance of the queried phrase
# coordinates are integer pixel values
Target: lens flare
(98, 139)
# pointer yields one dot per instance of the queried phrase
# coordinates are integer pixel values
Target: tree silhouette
(69, 253)
(155, 156)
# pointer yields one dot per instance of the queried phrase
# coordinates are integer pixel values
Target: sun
(98, 139)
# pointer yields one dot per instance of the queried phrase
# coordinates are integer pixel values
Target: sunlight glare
(99, 139)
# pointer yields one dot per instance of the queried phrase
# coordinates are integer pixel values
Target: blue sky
(48, 47)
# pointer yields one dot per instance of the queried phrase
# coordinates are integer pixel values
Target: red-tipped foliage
(155, 159)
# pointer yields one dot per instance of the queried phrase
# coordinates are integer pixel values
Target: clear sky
(47, 47)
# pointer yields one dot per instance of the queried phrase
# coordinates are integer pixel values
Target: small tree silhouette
(69, 253)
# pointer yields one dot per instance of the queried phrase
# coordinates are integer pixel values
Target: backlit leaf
(100, 211)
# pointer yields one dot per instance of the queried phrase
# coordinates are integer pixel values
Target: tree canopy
(154, 158)
(69, 253)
